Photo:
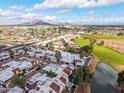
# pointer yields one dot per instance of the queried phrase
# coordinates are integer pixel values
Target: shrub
(101, 43)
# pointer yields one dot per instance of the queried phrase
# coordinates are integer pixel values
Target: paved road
(104, 80)
(57, 38)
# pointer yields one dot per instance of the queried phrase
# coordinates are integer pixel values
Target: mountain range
(35, 22)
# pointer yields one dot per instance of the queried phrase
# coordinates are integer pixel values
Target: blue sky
(54, 11)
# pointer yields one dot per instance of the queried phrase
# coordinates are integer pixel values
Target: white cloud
(28, 9)
(75, 3)
(4, 13)
(95, 3)
(1, 13)
(0, 9)
(58, 4)
(12, 15)
(31, 16)
(50, 18)
(17, 7)
(64, 11)
(21, 8)
(103, 20)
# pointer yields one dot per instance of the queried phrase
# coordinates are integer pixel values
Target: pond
(104, 80)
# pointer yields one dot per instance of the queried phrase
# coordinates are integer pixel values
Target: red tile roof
(34, 62)
(68, 68)
(55, 87)
(16, 71)
(54, 62)
(63, 79)
(29, 75)
(66, 71)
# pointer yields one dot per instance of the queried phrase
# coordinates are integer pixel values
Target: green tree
(23, 72)
(11, 52)
(68, 48)
(81, 77)
(58, 55)
(101, 43)
(81, 54)
(51, 74)
(120, 34)
(92, 42)
(18, 81)
(50, 46)
(25, 49)
(120, 79)
(87, 49)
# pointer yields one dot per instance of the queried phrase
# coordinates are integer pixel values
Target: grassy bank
(103, 54)
(105, 37)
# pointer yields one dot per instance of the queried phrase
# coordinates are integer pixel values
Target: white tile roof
(33, 91)
(6, 75)
(69, 57)
(54, 68)
(44, 82)
(34, 78)
(18, 64)
(16, 90)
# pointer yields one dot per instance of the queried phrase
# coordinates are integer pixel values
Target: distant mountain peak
(35, 22)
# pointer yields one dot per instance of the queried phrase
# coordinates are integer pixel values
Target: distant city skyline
(93, 12)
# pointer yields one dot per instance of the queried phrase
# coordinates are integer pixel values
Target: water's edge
(104, 80)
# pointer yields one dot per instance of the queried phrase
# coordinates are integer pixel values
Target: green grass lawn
(103, 54)
(105, 37)
(82, 42)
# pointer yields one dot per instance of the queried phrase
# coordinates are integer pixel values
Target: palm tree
(11, 52)
(25, 49)
(18, 81)
(23, 72)
(58, 55)
(82, 78)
